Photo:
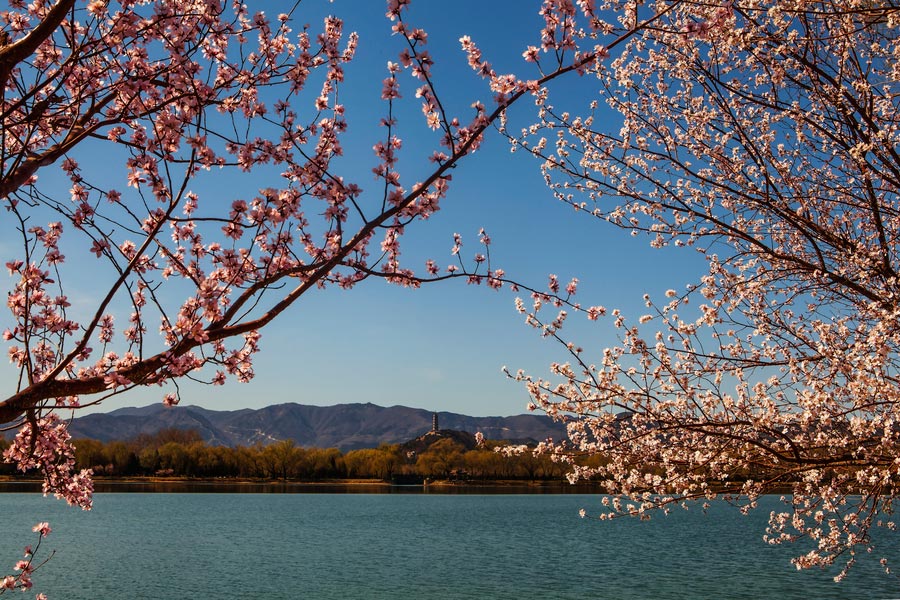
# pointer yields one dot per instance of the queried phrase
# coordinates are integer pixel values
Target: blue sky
(441, 347)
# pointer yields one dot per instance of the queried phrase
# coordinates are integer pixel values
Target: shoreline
(189, 485)
(374, 486)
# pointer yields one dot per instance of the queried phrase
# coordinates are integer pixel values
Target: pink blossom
(457, 244)
(594, 312)
(115, 380)
(553, 284)
(390, 89)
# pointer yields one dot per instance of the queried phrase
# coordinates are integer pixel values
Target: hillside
(343, 426)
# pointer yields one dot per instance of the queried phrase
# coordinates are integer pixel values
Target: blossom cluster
(25, 568)
(45, 446)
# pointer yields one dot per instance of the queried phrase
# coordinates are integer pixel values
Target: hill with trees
(343, 426)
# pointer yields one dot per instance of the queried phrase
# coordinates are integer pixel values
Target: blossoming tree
(763, 134)
(170, 91)
(766, 136)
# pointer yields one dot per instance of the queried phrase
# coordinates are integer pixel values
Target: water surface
(344, 546)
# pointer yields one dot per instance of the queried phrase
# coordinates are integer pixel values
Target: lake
(364, 545)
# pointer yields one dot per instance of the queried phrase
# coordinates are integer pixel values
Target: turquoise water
(346, 546)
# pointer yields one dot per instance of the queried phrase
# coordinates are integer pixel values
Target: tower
(434, 422)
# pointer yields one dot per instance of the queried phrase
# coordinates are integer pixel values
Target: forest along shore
(336, 486)
(445, 455)
(177, 460)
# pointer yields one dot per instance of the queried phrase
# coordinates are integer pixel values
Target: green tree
(323, 463)
(174, 456)
(249, 462)
(441, 457)
(282, 459)
(360, 464)
(123, 458)
(482, 463)
(148, 458)
(90, 454)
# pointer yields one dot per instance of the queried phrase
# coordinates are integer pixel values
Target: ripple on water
(346, 546)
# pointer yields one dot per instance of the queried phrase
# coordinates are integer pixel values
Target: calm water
(347, 546)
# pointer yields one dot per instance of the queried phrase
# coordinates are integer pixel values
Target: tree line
(183, 453)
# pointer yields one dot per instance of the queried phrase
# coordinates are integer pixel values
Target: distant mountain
(344, 426)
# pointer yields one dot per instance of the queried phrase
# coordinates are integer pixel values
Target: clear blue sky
(442, 347)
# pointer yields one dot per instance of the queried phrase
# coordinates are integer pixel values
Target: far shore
(226, 485)
(230, 485)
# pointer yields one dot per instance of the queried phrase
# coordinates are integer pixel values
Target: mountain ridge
(344, 426)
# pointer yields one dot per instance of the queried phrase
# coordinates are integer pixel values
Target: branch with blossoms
(674, 422)
(26, 567)
(762, 135)
(479, 270)
(43, 444)
(173, 89)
